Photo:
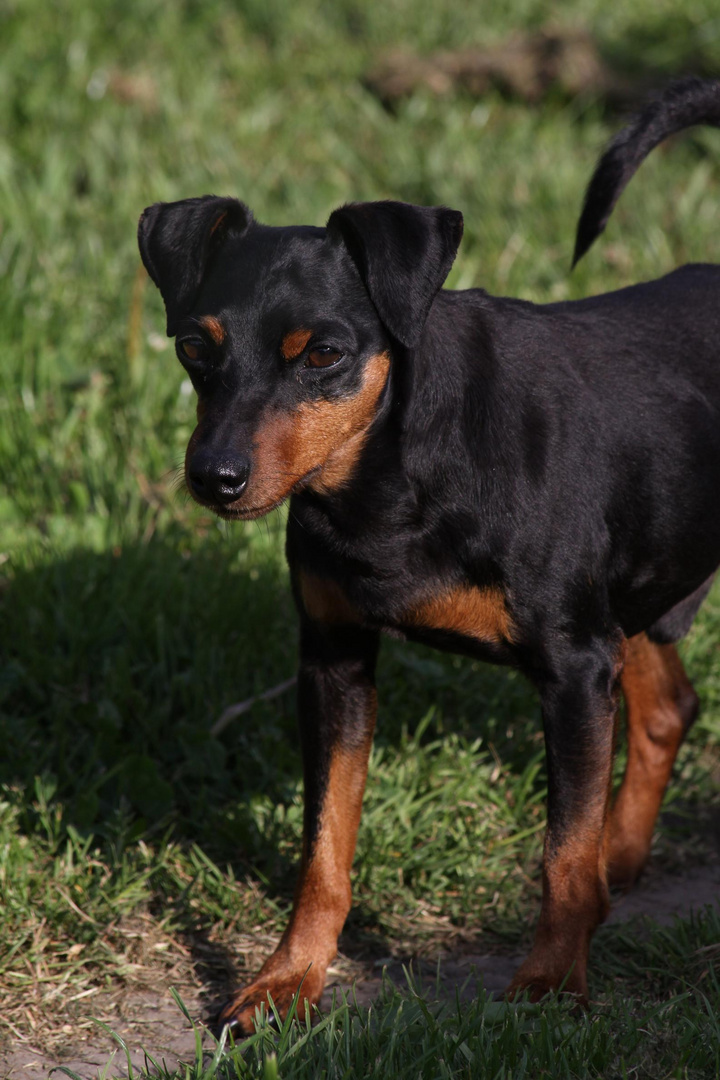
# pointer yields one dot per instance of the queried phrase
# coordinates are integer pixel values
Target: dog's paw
(239, 1014)
(538, 985)
(537, 989)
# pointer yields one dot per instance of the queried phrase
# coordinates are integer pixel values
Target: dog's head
(287, 334)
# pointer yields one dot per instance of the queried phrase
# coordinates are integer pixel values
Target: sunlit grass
(130, 619)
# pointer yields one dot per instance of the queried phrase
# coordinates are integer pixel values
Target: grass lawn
(130, 835)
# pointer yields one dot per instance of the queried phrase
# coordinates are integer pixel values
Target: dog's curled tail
(682, 104)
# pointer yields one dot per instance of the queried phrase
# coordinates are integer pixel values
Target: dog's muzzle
(217, 480)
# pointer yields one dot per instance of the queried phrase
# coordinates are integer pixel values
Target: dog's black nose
(219, 480)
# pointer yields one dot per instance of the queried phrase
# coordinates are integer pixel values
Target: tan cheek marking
(474, 613)
(294, 343)
(214, 328)
(358, 413)
(326, 434)
(324, 601)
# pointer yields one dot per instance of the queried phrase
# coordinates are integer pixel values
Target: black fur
(565, 457)
(676, 623)
(177, 241)
(684, 103)
(403, 253)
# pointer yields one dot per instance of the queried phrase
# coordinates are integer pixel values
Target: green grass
(129, 619)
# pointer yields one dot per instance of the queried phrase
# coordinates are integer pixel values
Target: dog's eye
(323, 356)
(191, 351)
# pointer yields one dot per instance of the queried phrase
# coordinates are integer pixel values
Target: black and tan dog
(535, 486)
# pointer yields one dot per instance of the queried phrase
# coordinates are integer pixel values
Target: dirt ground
(156, 1023)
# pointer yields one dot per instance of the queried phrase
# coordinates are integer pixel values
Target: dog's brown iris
(324, 356)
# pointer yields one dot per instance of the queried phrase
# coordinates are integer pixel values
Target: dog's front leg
(579, 702)
(336, 707)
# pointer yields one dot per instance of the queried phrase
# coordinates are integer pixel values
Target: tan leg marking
(575, 901)
(475, 613)
(322, 898)
(661, 706)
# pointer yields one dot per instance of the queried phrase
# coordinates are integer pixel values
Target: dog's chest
(461, 618)
(391, 581)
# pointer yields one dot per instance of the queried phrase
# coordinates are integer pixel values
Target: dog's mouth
(250, 513)
(234, 512)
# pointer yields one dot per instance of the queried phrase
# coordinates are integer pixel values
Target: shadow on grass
(114, 668)
(116, 665)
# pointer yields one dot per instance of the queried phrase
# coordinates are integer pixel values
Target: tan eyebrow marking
(294, 343)
(214, 328)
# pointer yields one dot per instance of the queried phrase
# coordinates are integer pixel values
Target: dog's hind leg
(661, 706)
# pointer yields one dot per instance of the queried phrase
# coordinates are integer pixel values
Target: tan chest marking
(325, 602)
(475, 613)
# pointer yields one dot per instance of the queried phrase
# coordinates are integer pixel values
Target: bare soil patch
(152, 1020)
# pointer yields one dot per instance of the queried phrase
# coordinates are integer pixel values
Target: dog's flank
(531, 485)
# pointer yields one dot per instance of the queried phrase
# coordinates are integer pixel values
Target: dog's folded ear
(403, 253)
(177, 241)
